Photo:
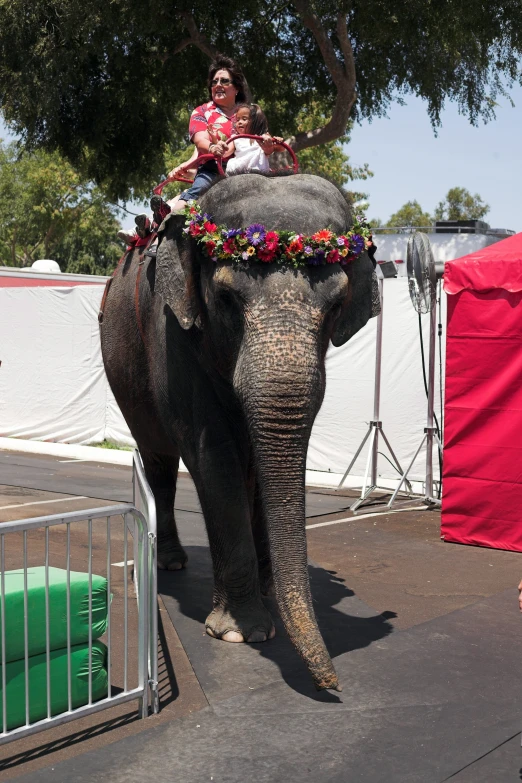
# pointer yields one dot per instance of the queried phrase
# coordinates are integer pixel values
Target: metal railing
(143, 500)
(69, 529)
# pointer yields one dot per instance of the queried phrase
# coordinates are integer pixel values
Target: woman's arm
(204, 145)
(186, 163)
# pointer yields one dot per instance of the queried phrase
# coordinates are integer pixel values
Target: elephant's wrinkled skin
(230, 376)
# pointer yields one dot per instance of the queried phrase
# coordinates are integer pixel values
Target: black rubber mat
(419, 706)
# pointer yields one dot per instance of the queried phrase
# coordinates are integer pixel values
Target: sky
(409, 162)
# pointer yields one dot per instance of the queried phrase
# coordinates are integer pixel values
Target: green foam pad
(14, 610)
(15, 683)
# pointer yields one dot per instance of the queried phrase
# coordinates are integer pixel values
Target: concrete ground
(425, 637)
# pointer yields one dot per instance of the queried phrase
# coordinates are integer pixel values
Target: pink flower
(271, 240)
(229, 247)
(333, 256)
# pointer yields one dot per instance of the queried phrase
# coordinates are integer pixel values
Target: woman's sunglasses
(225, 82)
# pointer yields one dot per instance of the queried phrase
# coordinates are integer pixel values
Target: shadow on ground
(346, 624)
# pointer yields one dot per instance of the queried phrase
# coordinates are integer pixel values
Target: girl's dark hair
(224, 63)
(258, 121)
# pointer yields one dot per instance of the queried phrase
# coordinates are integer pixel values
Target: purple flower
(308, 250)
(255, 233)
(340, 241)
(245, 256)
(357, 244)
(214, 259)
(234, 232)
(319, 257)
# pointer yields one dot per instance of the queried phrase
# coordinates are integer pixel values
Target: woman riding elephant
(210, 124)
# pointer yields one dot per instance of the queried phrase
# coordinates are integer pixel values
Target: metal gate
(105, 542)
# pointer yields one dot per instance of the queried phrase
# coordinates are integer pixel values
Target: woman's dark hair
(224, 63)
(258, 121)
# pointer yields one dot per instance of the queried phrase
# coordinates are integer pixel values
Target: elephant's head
(268, 328)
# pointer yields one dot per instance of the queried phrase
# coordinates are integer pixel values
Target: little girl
(249, 156)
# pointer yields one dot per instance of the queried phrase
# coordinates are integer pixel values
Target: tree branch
(196, 38)
(342, 73)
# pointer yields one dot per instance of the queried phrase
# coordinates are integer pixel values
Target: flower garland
(255, 243)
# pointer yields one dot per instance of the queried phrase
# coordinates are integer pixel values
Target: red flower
(266, 254)
(322, 236)
(211, 246)
(194, 230)
(209, 227)
(229, 247)
(295, 245)
(193, 210)
(333, 256)
(271, 240)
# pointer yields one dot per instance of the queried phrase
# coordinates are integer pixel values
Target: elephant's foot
(247, 623)
(172, 558)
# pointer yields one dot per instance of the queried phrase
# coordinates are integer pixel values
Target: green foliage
(460, 204)
(47, 211)
(410, 214)
(109, 83)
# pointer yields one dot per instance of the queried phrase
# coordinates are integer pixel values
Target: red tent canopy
(482, 475)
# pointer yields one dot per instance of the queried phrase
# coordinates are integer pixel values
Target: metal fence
(89, 542)
(143, 500)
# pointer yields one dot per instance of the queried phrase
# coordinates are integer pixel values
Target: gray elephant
(223, 365)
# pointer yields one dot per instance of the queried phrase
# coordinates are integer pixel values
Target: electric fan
(423, 274)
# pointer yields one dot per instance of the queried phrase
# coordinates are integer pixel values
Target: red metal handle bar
(295, 164)
(210, 156)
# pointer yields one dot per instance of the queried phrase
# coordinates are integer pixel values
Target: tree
(108, 84)
(410, 214)
(459, 204)
(48, 211)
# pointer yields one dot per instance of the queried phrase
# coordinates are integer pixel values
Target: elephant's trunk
(280, 384)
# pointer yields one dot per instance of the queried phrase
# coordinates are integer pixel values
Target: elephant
(223, 365)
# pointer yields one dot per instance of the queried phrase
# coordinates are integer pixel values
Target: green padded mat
(14, 610)
(15, 683)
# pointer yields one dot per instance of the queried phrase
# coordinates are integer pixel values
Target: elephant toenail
(210, 632)
(272, 632)
(257, 636)
(233, 636)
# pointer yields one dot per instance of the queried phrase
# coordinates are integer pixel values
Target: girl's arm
(271, 144)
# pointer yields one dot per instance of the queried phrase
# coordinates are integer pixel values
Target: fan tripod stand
(374, 429)
(430, 432)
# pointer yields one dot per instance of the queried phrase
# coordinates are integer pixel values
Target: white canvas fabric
(53, 385)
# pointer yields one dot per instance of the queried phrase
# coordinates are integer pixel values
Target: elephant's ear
(174, 280)
(363, 301)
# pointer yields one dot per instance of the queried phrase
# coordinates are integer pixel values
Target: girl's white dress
(248, 157)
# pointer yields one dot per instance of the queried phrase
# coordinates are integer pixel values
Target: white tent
(53, 385)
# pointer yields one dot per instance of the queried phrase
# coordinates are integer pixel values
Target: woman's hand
(218, 148)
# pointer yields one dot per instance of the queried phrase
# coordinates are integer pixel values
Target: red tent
(482, 476)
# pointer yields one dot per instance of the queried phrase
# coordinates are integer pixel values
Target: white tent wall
(53, 386)
(344, 417)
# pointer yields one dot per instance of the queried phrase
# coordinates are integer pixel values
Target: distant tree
(410, 214)
(48, 211)
(108, 83)
(460, 204)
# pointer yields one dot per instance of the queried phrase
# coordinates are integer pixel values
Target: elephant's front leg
(262, 544)
(238, 613)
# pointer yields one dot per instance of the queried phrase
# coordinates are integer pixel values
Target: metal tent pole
(375, 425)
